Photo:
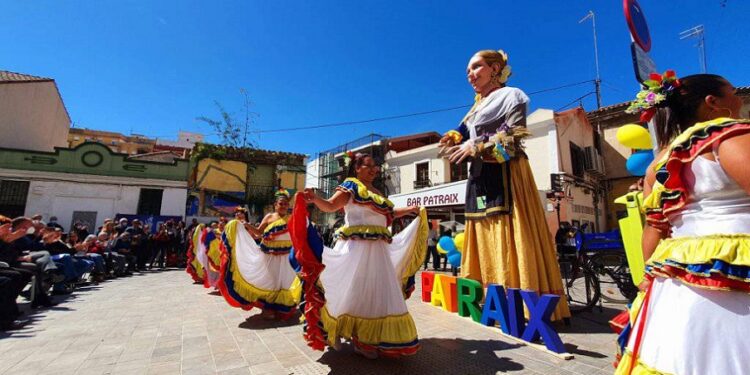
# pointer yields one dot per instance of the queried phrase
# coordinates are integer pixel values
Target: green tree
(231, 130)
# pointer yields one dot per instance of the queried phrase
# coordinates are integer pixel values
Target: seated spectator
(122, 246)
(78, 250)
(53, 224)
(89, 250)
(20, 262)
(114, 260)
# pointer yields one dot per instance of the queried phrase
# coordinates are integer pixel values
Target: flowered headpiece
(348, 157)
(240, 209)
(505, 73)
(281, 193)
(654, 95)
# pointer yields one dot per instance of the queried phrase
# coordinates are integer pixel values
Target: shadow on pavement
(258, 322)
(437, 356)
(590, 321)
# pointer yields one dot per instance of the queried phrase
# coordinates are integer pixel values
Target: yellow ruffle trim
(372, 230)
(640, 368)
(392, 329)
(282, 222)
(287, 297)
(653, 200)
(364, 193)
(418, 250)
(214, 250)
(277, 244)
(732, 248)
(198, 268)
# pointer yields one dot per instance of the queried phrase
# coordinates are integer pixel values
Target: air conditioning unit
(593, 162)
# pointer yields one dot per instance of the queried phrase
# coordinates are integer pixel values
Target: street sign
(637, 24)
(642, 63)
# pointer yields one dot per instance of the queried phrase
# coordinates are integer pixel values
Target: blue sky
(152, 67)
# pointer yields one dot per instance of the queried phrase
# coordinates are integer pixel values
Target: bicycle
(590, 264)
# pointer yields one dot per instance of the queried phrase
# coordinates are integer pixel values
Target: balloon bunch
(636, 137)
(452, 248)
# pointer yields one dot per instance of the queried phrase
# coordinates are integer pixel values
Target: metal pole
(598, 80)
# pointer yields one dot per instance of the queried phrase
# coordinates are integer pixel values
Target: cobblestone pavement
(162, 323)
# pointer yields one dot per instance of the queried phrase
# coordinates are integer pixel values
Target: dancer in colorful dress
(507, 241)
(367, 275)
(260, 275)
(695, 313)
(211, 242)
(196, 260)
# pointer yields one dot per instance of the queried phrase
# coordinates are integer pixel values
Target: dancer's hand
(445, 144)
(309, 195)
(460, 153)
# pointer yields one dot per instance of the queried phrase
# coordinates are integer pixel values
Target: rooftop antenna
(699, 33)
(598, 80)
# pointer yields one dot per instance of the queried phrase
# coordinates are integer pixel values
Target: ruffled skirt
(251, 278)
(365, 292)
(695, 317)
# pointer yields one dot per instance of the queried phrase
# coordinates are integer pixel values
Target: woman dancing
(367, 275)
(695, 313)
(260, 275)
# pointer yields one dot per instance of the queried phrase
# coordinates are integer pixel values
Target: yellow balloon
(441, 250)
(459, 241)
(634, 136)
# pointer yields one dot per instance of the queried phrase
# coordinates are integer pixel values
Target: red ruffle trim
(311, 268)
(190, 269)
(713, 281)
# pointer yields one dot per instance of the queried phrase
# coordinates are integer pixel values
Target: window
(577, 159)
(423, 176)
(459, 171)
(13, 197)
(149, 202)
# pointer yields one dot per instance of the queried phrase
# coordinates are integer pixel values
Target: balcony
(419, 184)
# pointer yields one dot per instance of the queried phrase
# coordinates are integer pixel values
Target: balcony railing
(419, 184)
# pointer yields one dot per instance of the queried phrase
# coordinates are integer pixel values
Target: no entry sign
(637, 24)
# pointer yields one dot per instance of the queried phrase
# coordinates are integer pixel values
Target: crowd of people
(39, 258)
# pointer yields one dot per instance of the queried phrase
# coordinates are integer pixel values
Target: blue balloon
(447, 244)
(454, 258)
(639, 161)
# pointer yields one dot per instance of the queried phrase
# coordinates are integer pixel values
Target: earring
(729, 112)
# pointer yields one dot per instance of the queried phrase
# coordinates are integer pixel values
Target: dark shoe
(42, 301)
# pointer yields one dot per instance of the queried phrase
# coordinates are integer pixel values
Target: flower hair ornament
(281, 193)
(505, 73)
(348, 157)
(654, 94)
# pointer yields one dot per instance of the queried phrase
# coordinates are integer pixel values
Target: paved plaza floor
(162, 323)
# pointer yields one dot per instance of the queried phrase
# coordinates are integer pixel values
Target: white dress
(259, 275)
(693, 329)
(368, 275)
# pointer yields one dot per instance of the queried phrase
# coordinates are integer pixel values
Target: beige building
(33, 104)
(565, 147)
(117, 142)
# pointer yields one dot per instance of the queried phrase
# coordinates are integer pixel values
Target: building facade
(88, 184)
(34, 106)
(117, 142)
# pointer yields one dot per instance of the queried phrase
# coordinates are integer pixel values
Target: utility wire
(345, 123)
(575, 100)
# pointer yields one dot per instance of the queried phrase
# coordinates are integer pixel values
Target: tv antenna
(598, 80)
(698, 32)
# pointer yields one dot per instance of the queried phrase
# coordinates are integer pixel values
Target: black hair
(680, 109)
(357, 161)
